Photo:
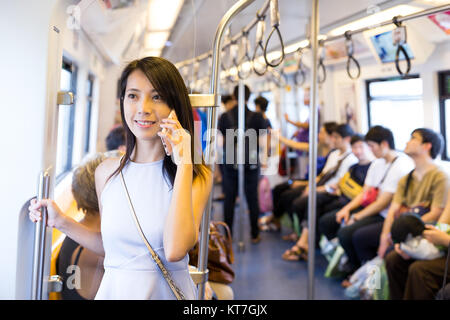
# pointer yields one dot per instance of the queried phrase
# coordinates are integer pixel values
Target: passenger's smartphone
(329, 189)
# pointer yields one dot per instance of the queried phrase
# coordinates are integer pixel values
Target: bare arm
(445, 216)
(375, 207)
(302, 146)
(298, 124)
(189, 199)
(87, 238)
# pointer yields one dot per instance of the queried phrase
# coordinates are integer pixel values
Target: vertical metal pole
(212, 125)
(241, 161)
(39, 240)
(313, 123)
(287, 160)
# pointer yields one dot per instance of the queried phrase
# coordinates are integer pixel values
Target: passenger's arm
(302, 146)
(86, 237)
(189, 196)
(432, 215)
(298, 124)
(189, 199)
(375, 207)
(344, 213)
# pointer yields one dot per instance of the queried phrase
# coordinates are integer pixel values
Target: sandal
(295, 254)
(290, 237)
(346, 283)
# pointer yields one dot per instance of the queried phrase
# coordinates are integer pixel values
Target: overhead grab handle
(350, 50)
(300, 76)
(399, 39)
(245, 57)
(228, 41)
(321, 65)
(275, 21)
(260, 30)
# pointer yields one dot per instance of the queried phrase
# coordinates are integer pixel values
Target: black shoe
(256, 240)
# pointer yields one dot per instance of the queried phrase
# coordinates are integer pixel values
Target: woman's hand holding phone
(176, 140)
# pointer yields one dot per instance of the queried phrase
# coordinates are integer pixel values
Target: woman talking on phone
(152, 199)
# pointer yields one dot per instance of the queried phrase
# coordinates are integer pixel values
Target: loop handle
(349, 48)
(400, 48)
(275, 64)
(321, 65)
(275, 22)
(300, 72)
(399, 39)
(245, 44)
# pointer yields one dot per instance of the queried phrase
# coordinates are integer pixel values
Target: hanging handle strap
(399, 39)
(275, 21)
(260, 30)
(176, 291)
(350, 50)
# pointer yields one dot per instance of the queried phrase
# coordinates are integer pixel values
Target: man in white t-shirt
(384, 174)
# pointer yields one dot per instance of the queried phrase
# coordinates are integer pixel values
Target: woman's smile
(145, 124)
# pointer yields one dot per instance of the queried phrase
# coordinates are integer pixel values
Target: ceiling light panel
(162, 14)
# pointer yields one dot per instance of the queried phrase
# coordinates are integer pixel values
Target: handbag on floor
(220, 254)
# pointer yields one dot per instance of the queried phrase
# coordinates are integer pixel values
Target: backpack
(265, 195)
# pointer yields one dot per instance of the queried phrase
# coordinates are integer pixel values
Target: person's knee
(417, 270)
(345, 235)
(391, 260)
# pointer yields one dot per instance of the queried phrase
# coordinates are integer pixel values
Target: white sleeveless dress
(130, 271)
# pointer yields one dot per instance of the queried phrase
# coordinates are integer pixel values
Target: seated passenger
(426, 186)
(411, 279)
(335, 195)
(115, 142)
(284, 193)
(381, 180)
(88, 265)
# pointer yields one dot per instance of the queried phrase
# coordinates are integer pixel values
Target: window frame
(369, 98)
(442, 97)
(70, 66)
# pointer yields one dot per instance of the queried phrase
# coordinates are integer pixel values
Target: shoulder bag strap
(387, 171)
(176, 291)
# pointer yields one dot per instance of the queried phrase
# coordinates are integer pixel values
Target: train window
(444, 102)
(89, 90)
(66, 119)
(389, 100)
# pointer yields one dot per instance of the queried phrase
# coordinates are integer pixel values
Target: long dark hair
(167, 81)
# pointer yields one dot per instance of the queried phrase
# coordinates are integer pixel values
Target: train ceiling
(119, 27)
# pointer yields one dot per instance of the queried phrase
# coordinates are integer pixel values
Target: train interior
(52, 47)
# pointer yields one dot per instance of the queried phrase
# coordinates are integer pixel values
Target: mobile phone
(329, 189)
(164, 130)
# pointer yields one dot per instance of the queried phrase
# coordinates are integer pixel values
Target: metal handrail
(40, 239)
(212, 124)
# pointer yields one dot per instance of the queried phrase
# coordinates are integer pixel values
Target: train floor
(261, 273)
